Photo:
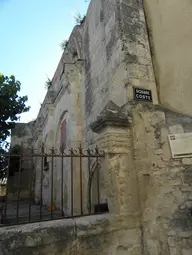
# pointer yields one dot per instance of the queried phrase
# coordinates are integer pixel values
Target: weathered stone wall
(90, 235)
(105, 58)
(135, 46)
(116, 54)
(169, 25)
(164, 184)
(119, 178)
(22, 133)
(62, 102)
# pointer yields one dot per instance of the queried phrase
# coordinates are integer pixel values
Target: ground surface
(28, 211)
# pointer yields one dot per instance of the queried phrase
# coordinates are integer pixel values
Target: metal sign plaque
(142, 94)
(181, 145)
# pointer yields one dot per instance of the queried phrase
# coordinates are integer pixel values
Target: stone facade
(92, 95)
(164, 184)
(21, 135)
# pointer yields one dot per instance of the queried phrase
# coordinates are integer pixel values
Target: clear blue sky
(30, 35)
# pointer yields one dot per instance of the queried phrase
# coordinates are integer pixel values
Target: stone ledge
(169, 113)
(107, 121)
(145, 105)
(35, 234)
(66, 230)
(112, 115)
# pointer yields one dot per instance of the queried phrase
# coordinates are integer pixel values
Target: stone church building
(124, 83)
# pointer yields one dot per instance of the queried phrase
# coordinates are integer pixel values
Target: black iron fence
(49, 184)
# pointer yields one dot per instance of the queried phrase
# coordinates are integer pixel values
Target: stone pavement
(11, 214)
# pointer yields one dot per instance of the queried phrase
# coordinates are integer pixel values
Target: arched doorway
(61, 173)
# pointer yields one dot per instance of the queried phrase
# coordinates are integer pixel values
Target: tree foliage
(11, 105)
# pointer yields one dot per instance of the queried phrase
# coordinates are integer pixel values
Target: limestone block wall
(51, 132)
(90, 235)
(101, 43)
(164, 184)
(136, 49)
(62, 102)
(116, 54)
(169, 25)
(105, 57)
(22, 133)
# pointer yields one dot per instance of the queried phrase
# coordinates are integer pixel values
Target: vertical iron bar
(52, 183)
(62, 211)
(89, 185)
(19, 180)
(6, 195)
(81, 183)
(30, 185)
(98, 177)
(71, 182)
(41, 182)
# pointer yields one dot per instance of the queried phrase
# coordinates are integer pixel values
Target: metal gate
(50, 184)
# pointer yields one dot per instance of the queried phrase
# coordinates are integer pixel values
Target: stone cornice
(112, 115)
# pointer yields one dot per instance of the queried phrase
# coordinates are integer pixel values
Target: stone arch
(58, 165)
(46, 188)
(74, 75)
(76, 43)
(63, 116)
